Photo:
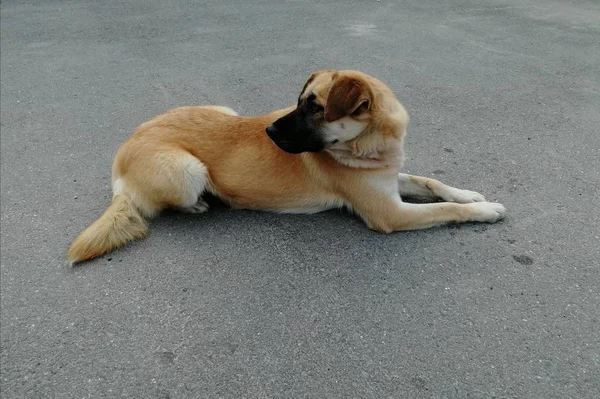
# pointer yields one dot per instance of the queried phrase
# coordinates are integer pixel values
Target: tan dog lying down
(341, 146)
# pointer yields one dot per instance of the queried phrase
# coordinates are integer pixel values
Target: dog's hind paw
(199, 207)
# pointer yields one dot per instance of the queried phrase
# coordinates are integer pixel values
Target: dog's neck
(392, 156)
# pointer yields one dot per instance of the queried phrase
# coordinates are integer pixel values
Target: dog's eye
(316, 107)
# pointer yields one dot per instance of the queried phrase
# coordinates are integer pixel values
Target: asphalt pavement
(504, 98)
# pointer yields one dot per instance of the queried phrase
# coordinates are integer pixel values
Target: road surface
(504, 98)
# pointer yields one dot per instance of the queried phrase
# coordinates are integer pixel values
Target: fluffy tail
(119, 224)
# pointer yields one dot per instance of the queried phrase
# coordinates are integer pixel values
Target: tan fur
(120, 223)
(170, 161)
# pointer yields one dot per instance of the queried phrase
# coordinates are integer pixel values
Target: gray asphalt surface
(504, 98)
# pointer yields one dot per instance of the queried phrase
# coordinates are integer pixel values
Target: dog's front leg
(386, 212)
(418, 186)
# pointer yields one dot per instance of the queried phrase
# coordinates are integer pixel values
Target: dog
(340, 146)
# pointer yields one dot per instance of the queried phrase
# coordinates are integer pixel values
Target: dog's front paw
(486, 212)
(461, 196)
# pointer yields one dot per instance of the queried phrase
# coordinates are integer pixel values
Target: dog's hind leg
(424, 187)
(191, 181)
(167, 179)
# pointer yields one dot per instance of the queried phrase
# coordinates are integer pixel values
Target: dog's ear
(310, 80)
(347, 96)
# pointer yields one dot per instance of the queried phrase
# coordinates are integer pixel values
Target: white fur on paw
(487, 212)
(462, 196)
(198, 207)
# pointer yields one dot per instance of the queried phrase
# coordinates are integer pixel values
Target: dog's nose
(271, 131)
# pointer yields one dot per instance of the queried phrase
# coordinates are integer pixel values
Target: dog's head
(333, 107)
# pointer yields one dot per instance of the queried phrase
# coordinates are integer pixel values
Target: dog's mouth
(279, 140)
(305, 142)
(288, 146)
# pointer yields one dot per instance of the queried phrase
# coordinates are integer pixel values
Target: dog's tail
(121, 222)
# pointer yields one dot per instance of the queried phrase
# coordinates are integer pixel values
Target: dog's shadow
(337, 228)
(221, 216)
(306, 239)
